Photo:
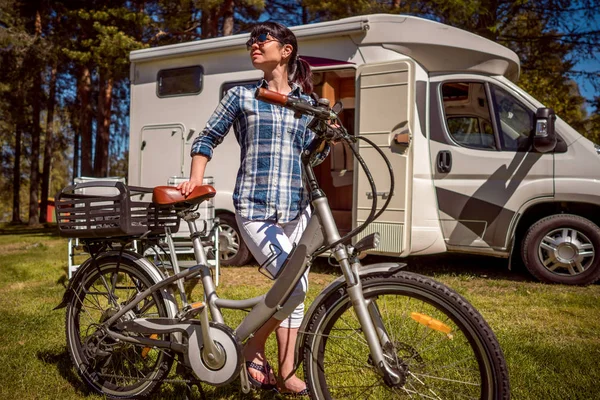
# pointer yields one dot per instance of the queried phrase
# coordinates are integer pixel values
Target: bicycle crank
(216, 369)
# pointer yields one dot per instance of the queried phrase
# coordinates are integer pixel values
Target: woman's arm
(212, 135)
(196, 175)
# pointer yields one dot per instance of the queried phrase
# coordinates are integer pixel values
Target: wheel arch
(223, 211)
(537, 211)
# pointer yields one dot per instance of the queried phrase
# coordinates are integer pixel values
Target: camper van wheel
(563, 248)
(232, 249)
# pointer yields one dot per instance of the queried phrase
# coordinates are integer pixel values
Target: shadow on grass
(63, 364)
(23, 229)
(173, 390)
(445, 264)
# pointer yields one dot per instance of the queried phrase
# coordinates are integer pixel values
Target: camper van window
(467, 113)
(228, 85)
(516, 120)
(180, 81)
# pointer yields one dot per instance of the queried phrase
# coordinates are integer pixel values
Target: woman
(271, 203)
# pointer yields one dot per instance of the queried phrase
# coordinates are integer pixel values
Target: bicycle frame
(320, 230)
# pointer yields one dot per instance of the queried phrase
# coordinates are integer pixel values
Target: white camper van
(476, 170)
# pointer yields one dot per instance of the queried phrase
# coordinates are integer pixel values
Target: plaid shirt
(269, 182)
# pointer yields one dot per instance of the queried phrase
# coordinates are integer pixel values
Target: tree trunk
(214, 23)
(36, 105)
(16, 217)
(204, 24)
(76, 147)
(48, 145)
(35, 149)
(227, 17)
(209, 23)
(105, 83)
(85, 120)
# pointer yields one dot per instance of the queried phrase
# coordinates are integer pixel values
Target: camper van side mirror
(544, 138)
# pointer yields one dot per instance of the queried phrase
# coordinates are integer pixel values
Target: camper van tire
(563, 248)
(232, 249)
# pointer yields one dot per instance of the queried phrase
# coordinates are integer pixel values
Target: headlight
(597, 148)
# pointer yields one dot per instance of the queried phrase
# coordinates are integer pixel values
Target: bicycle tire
(433, 362)
(116, 370)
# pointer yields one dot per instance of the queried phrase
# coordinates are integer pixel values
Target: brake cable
(372, 215)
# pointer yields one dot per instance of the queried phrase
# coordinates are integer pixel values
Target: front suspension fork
(370, 321)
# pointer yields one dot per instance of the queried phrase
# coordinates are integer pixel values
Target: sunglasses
(260, 40)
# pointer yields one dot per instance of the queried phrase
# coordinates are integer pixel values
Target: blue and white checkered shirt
(269, 182)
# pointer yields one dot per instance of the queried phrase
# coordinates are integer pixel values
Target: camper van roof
(438, 47)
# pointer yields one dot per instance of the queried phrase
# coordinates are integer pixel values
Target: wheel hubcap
(566, 251)
(229, 242)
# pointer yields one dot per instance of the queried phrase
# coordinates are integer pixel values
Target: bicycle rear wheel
(438, 343)
(115, 369)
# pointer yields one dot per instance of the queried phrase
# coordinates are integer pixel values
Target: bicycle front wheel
(115, 369)
(434, 339)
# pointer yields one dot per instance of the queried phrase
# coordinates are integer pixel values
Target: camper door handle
(384, 195)
(444, 161)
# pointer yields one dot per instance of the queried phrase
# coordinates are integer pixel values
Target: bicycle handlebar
(295, 103)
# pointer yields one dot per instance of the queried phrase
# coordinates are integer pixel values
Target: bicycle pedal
(192, 310)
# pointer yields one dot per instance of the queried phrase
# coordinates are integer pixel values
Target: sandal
(302, 393)
(265, 369)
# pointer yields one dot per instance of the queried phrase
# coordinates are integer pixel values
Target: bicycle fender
(384, 269)
(88, 265)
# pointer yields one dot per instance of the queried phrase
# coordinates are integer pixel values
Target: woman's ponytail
(303, 75)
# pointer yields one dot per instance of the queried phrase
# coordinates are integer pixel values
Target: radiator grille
(391, 236)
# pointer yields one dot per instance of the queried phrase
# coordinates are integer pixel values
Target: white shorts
(259, 236)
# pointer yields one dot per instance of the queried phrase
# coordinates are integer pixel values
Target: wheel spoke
(587, 253)
(578, 267)
(445, 379)
(548, 245)
(554, 265)
(550, 260)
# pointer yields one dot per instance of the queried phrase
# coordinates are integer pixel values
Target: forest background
(64, 70)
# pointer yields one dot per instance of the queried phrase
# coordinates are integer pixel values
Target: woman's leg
(259, 236)
(287, 332)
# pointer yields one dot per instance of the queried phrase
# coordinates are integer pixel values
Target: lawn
(549, 333)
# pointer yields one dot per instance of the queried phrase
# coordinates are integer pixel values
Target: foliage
(549, 36)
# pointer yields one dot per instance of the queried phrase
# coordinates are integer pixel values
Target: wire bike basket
(125, 213)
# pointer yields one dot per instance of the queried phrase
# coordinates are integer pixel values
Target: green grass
(549, 333)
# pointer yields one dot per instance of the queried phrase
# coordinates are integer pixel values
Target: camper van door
(161, 154)
(484, 168)
(385, 101)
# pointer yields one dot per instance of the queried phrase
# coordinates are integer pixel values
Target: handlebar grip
(271, 97)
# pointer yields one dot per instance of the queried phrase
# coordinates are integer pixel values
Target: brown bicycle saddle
(169, 195)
